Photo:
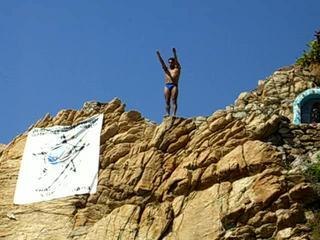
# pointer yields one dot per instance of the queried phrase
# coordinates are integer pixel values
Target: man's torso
(175, 74)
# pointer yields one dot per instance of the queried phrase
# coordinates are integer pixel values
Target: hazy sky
(58, 54)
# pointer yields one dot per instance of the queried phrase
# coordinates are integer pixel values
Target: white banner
(60, 161)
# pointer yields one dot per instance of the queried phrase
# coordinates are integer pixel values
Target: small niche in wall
(306, 107)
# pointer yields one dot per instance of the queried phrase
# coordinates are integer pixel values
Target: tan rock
(160, 132)
(2, 147)
(217, 114)
(177, 205)
(209, 176)
(151, 176)
(303, 193)
(130, 116)
(262, 217)
(198, 178)
(272, 183)
(253, 156)
(263, 125)
(197, 206)
(180, 143)
(300, 86)
(121, 223)
(125, 138)
(118, 151)
(284, 234)
(243, 232)
(290, 217)
(176, 137)
(218, 124)
(43, 122)
(109, 132)
(154, 221)
(113, 106)
(266, 230)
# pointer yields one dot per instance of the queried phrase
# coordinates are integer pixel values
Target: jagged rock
(246, 159)
(264, 126)
(284, 234)
(218, 123)
(302, 193)
(266, 230)
(290, 217)
(109, 132)
(2, 147)
(262, 217)
(121, 223)
(130, 116)
(154, 221)
(225, 176)
(243, 232)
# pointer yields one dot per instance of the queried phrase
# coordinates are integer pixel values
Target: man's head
(172, 62)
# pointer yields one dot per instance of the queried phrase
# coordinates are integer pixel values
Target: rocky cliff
(233, 175)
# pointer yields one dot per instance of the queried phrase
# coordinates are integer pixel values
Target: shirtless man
(171, 79)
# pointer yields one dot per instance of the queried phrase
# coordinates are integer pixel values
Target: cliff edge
(233, 175)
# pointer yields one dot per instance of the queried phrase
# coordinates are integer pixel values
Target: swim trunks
(170, 86)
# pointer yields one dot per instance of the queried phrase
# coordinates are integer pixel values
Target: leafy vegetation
(314, 170)
(313, 174)
(312, 55)
(315, 225)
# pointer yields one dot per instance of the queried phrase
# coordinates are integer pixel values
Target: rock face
(225, 176)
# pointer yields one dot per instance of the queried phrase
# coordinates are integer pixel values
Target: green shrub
(310, 56)
(313, 174)
(315, 226)
(314, 171)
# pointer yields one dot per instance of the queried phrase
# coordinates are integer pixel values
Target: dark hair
(171, 59)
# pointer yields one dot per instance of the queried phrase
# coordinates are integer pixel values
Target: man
(171, 79)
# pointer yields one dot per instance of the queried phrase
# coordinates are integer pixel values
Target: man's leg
(167, 96)
(174, 95)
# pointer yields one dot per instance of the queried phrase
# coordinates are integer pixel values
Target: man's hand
(159, 56)
(161, 61)
(176, 56)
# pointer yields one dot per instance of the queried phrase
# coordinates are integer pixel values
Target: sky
(58, 54)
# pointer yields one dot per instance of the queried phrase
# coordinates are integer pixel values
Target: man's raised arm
(162, 62)
(175, 56)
